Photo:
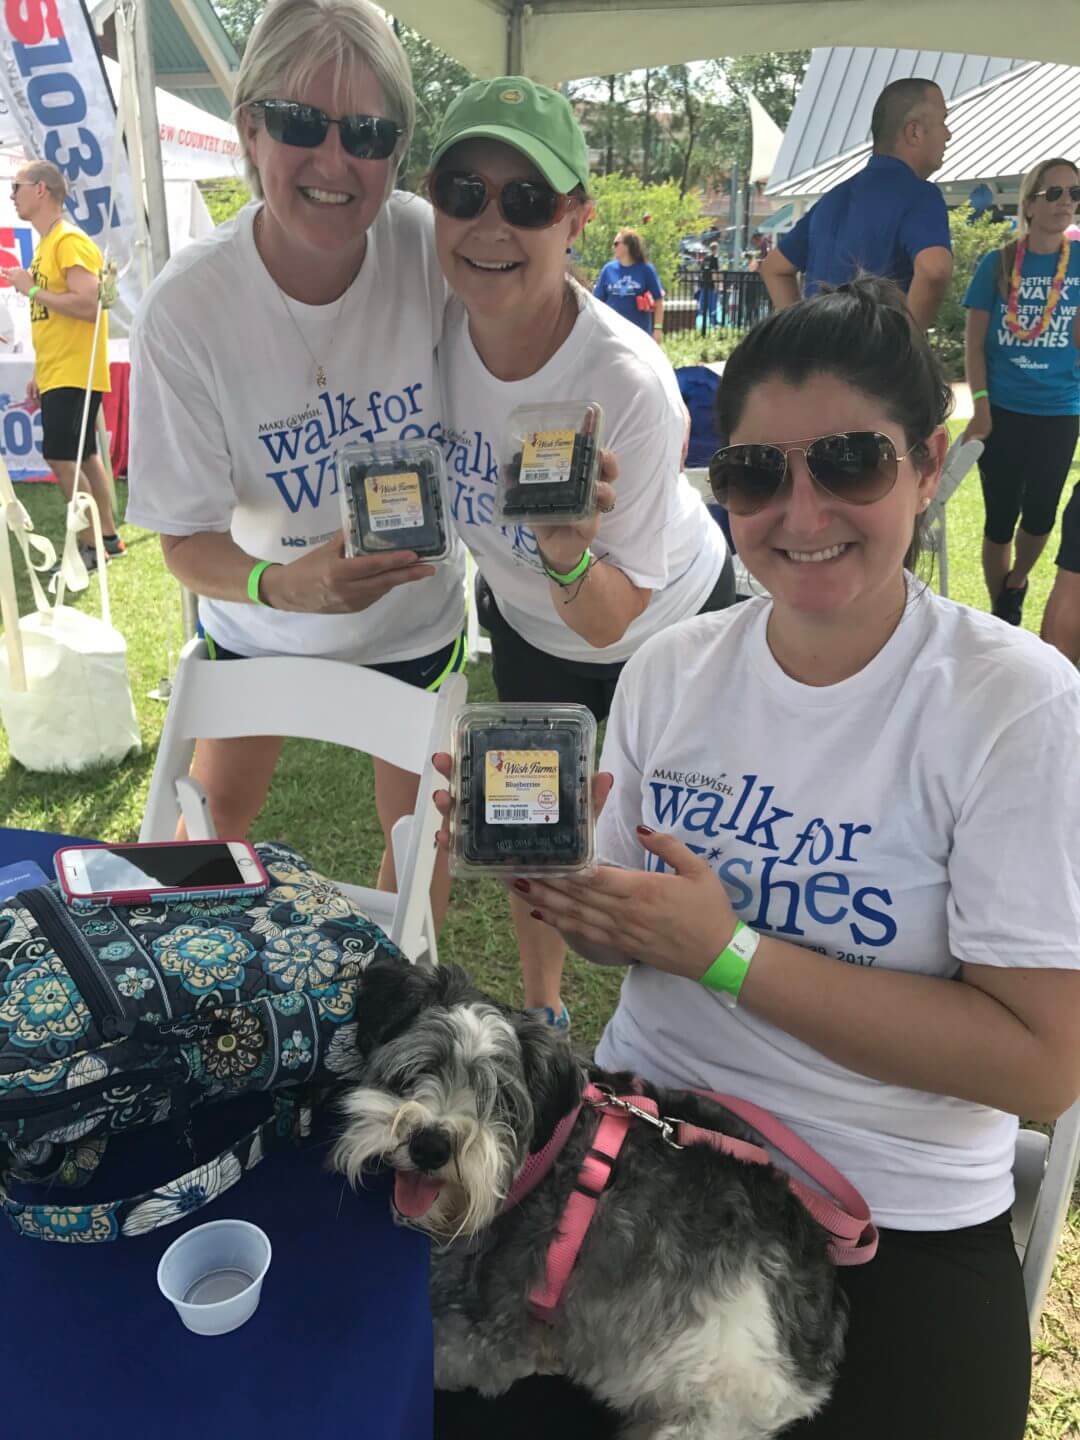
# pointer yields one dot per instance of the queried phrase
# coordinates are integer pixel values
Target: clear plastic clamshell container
(550, 464)
(393, 497)
(522, 790)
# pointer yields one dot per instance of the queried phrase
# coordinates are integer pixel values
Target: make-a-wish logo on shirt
(472, 472)
(313, 438)
(755, 845)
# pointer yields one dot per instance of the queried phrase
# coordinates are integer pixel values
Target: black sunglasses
(856, 467)
(525, 204)
(1053, 193)
(364, 137)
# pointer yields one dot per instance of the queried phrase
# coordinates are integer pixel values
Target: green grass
(322, 802)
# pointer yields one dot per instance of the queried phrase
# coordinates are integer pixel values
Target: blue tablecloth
(37, 845)
(340, 1345)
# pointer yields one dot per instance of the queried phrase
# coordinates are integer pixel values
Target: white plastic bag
(65, 698)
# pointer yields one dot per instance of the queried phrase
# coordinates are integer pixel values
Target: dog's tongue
(414, 1193)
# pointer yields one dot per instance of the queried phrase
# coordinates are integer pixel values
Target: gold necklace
(320, 368)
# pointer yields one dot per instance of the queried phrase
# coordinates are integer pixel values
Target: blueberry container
(522, 790)
(393, 497)
(550, 464)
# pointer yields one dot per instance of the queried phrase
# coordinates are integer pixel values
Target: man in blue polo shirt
(887, 220)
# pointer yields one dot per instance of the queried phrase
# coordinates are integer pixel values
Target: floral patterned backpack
(120, 1017)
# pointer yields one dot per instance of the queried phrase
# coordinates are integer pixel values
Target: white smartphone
(160, 871)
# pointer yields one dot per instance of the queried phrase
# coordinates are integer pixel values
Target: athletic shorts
(61, 417)
(1024, 468)
(1068, 556)
(524, 673)
(937, 1349)
(426, 672)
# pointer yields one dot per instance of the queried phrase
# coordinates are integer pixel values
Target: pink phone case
(158, 897)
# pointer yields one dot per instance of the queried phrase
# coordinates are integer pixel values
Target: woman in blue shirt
(1023, 367)
(625, 282)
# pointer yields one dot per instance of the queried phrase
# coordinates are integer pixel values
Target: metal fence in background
(737, 301)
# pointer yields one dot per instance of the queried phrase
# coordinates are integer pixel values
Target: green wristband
(571, 575)
(32, 291)
(253, 582)
(728, 971)
(980, 394)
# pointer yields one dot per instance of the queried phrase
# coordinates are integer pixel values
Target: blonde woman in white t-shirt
(566, 606)
(843, 889)
(307, 322)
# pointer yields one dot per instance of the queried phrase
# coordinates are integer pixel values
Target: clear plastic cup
(213, 1275)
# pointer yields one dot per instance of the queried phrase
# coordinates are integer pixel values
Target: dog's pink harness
(853, 1237)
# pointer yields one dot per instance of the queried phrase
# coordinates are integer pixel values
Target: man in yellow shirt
(62, 285)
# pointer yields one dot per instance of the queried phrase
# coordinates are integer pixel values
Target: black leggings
(1024, 468)
(524, 673)
(937, 1349)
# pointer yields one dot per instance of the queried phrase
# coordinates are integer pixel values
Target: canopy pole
(149, 186)
(150, 138)
(520, 13)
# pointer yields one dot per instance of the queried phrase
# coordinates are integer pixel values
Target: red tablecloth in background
(115, 406)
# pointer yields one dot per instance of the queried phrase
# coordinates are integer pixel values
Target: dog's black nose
(430, 1149)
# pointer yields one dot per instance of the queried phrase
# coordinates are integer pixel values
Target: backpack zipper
(56, 925)
(65, 1099)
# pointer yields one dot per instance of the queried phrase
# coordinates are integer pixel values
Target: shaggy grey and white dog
(702, 1306)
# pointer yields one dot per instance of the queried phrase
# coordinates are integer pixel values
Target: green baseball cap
(533, 119)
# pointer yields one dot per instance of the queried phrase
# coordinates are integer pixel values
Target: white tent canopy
(767, 140)
(556, 40)
(195, 145)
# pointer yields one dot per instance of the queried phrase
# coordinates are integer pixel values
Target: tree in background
(437, 80)
(624, 200)
(224, 198)
(971, 240)
(686, 123)
(773, 78)
(238, 17)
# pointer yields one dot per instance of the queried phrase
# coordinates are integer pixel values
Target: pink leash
(853, 1237)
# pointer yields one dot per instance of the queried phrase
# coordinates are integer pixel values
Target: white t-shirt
(659, 534)
(230, 432)
(922, 813)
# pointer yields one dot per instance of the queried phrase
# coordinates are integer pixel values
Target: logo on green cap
(511, 97)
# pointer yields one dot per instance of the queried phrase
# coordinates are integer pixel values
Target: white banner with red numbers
(53, 83)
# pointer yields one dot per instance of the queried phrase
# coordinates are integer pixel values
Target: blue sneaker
(548, 1016)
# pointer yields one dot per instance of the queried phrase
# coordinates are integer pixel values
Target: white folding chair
(1044, 1173)
(314, 700)
(962, 455)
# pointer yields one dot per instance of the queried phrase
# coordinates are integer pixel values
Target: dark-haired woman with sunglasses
(567, 605)
(842, 890)
(1023, 366)
(307, 322)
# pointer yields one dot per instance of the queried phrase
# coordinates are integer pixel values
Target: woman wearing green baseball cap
(566, 605)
